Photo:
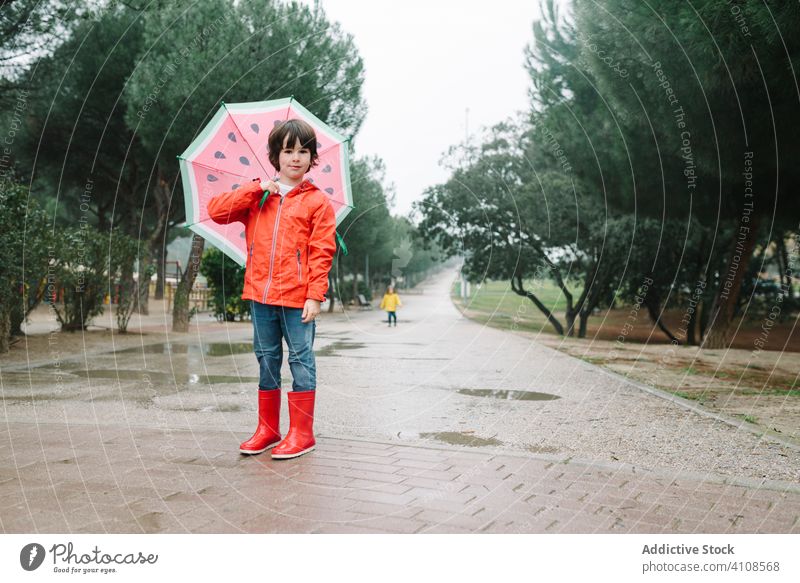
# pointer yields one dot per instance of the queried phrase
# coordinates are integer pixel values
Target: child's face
(294, 160)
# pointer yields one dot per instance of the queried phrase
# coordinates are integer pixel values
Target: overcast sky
(426, 62)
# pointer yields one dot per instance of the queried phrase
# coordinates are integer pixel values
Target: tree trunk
(355, 287)
(519, 290)
(5, 330)
(180, 308)
(583, 322)
(730, 284)
(653, 306)
(143, 286)
(161, 268)
(691, 339)
(157, 241)
(571, 316)
(331, 293)
(785, 275)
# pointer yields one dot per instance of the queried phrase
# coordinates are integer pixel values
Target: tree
(202, 53)
(512, 220)
(720, 102)
(367, 229)
(26, 245)
(28, 30)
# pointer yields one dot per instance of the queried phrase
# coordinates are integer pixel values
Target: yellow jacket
(390, 302)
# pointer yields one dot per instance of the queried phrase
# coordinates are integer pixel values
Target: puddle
(27, 378)
(210, 409)
(147, 376)
(210, 349)
(458, 438)
(509, 395)
(333, 347)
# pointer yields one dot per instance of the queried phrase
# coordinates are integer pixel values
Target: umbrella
(232, 150)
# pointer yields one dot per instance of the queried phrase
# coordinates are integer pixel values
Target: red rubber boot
(267, 433)
(300, 438)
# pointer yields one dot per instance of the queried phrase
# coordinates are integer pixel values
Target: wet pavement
(436, 425)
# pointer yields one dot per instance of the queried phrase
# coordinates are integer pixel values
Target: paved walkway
(137, 479)
(433, 426)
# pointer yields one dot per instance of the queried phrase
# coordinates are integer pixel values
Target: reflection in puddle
(458, 438)
(27, 377)
(163, 377)
(330, 349)
(229, 408)
(210, 349)
(509, 395)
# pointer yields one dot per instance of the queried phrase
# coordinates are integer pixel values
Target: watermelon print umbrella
(232, 150)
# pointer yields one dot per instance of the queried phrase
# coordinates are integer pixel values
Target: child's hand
(269, 186)
(310, 310)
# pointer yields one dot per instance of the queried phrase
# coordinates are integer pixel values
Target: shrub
(226, 282)
(25, 243)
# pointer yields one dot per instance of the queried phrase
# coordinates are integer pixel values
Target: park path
(438, 425)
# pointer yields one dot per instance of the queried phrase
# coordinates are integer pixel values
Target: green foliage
(82, 266)
(25, 244)
(77, 144)
(88, 267)
(124, 251)
(226, 282)
(202, 53)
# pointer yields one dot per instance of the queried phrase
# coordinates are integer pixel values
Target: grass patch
(689, 396)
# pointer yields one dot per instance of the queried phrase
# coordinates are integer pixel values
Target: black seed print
(329, 191)
(244, 160)
(219, 155)
(232, 137)
(235, 186)
(211, 178)
(254, 127)
(327, 169)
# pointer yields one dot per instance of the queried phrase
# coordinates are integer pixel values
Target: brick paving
(142, 445)
(84, 478)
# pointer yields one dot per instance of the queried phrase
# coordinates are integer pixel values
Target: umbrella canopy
(232, 150)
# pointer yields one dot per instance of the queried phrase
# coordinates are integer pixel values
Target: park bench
(363, 304)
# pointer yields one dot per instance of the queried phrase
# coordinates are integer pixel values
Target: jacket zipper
(272, 253)
(250, 260)
(299, 267)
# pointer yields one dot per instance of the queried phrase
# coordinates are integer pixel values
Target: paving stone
(351, 487)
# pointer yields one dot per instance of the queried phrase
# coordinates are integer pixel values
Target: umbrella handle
(266, 194)
(341, 243)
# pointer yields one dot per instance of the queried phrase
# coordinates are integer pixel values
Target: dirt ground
(759, 387)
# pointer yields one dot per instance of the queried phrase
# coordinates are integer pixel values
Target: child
(290, 248)
(390, 303)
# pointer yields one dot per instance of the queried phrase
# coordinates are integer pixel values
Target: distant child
(290, 247)
(390, 303)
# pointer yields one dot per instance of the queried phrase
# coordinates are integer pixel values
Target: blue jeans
(271, 324)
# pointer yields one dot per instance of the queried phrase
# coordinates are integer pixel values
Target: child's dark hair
(294, 129)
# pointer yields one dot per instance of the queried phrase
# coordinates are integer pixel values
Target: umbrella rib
(236, 125)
